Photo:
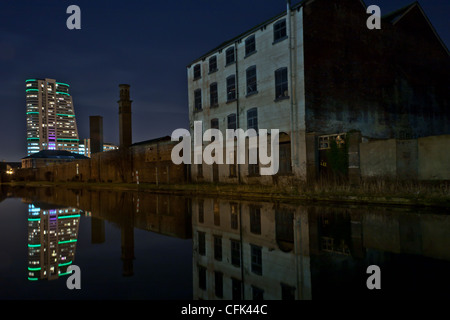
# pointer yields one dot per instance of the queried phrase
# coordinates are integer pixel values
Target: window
(198, 100)
(251, 80)
(200, 170)
(284, 229)
(197, 72)
(229, 56)
(235, 253)
(279, 31)
(215, 123)
(231, 121)
(212, 64)
(216, 213)
(233, 167)
(287, 292)
(201, 243)
(201, 215)
(234, 216)
(213, 95)
(255, 219)
(252, 119)
(202, 277)
(236, 289)
(218, 284)
(250, 45)
(281, 83)
(256, 253)
(258, 294)
(231, 88)
(218, 248)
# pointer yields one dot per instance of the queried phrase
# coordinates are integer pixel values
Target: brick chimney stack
(96, 134)
(125, 136)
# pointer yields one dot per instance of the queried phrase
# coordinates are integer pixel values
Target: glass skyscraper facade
(51, 123)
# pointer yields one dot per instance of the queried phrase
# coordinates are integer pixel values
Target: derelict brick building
(318, 74)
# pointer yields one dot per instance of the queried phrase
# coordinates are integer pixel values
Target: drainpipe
(292, 83)
(237, 105)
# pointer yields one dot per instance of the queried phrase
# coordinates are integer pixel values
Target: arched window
(229, 56)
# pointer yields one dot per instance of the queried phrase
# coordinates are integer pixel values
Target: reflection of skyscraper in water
(52, 238)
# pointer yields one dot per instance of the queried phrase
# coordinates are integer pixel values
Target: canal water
(139, 245)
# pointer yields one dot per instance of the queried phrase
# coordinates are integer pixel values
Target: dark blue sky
(147, 44)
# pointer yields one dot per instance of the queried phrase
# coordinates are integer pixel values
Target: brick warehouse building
(318, 74)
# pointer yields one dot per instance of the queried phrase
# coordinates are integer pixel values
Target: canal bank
(376, 192)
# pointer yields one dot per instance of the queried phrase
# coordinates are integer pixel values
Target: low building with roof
(319, 75)
(46, 158)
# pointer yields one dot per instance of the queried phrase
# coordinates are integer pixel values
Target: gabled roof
(396, 16)
(56, 154)
(392, 17)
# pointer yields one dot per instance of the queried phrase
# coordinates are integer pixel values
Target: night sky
(147, 44)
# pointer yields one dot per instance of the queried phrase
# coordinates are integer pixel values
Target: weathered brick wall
(115, 166)
(434, 162)
(388, 83)
(423, 159)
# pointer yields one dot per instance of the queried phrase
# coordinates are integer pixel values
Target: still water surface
(136, 245)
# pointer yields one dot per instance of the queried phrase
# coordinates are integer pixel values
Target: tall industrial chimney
(96, 134)
(125, 136)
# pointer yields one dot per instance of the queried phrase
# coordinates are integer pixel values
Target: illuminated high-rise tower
(51, 123)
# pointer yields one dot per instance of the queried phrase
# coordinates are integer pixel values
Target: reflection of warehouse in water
(162, 214)
(52, 238)
(245, 250)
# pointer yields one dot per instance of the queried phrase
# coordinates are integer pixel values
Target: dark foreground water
(135, 245)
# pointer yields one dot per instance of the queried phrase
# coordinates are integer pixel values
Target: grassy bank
(383, 192)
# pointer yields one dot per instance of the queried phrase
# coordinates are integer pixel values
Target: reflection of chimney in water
(125, 131)
(127, 249)
(97, 230)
